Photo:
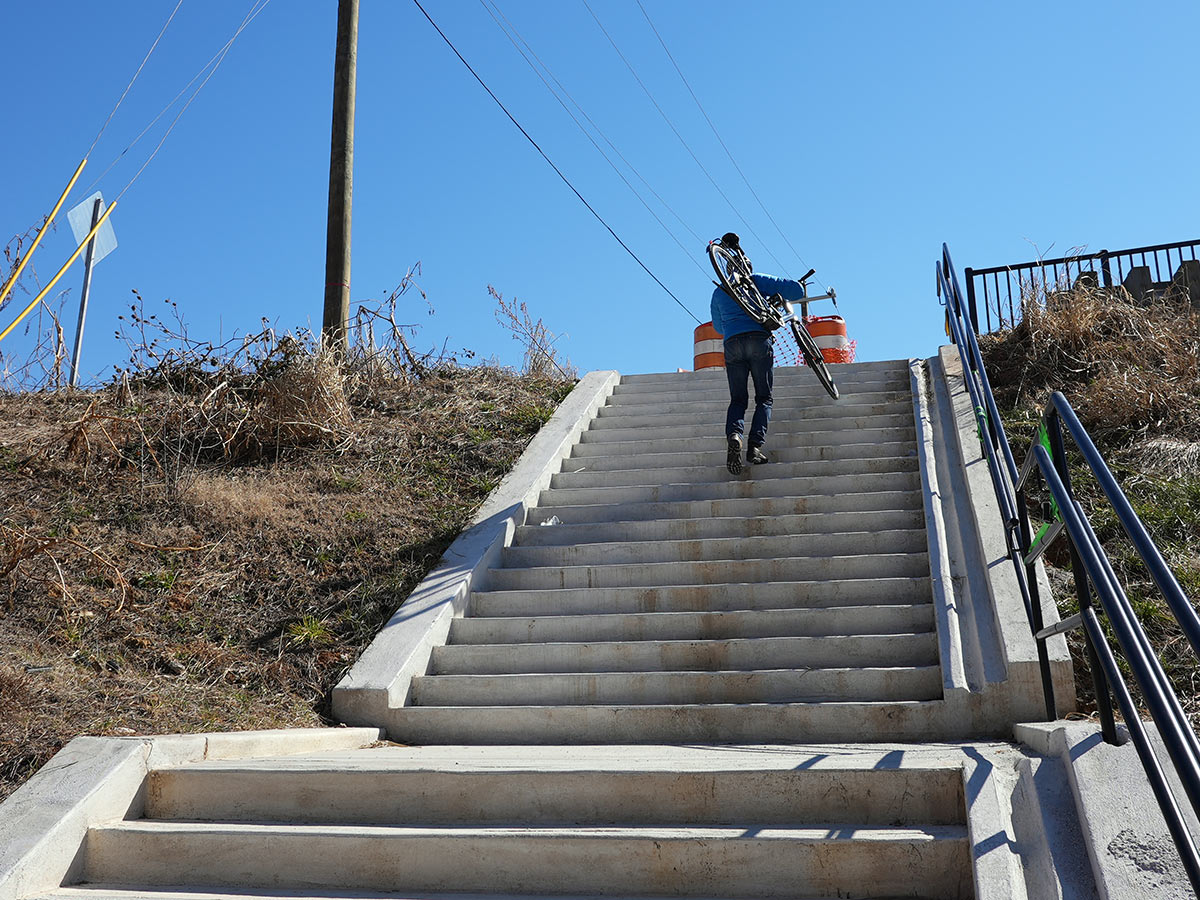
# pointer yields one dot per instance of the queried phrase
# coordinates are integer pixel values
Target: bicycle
(734, 270)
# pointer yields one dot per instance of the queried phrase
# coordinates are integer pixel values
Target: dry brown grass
(1132, 373)
(179, 555)
(1130, 370)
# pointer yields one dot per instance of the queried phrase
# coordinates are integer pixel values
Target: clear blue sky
(871, 131)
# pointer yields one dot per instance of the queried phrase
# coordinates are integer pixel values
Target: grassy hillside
(1132, 373)
(210, 542)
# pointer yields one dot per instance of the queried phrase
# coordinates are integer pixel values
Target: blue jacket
(729, 318)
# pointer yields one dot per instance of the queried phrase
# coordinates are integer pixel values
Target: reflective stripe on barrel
(709, 348)
(829, 333)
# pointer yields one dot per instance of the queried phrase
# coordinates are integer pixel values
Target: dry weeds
(202, 547)
(1132, 373)
(1130, 370)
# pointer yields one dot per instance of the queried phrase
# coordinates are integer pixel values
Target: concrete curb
(382, 677)
(949, 628)
(1010, 624)
(44, 823)
(1131, 850)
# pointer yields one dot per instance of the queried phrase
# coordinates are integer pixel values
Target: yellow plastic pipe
(61, 272)
(37, 240)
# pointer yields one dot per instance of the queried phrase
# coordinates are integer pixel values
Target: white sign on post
(81, 223)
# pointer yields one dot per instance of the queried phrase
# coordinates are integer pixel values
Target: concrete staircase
(654, 597)
(664, 681)
(568, 821)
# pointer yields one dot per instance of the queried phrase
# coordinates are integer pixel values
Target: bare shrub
(541, 357)
(302, 401)
(1131, 370)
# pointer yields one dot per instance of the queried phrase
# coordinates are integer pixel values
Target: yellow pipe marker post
(61, 272)
(37, 240)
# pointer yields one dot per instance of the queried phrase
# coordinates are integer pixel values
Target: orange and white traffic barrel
(829, 333)
(710, 349)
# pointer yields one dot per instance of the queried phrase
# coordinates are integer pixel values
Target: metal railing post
(1083, 591)
(970, 277)
(1025, 541)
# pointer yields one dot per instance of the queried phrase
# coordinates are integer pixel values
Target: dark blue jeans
(749, 354)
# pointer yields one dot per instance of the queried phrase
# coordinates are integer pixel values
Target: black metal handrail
(1053, 274)
(1093, 575)
(1000, 464)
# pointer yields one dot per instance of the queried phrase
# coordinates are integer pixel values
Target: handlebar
(832, 295)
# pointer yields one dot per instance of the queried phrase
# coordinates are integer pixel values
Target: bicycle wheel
(813, 358)
(734, 273)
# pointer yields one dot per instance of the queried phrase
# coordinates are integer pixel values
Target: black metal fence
(1097, 588)
(1001, 290)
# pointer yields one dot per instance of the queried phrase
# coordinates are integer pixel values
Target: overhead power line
(216, 59)
(690, 254)
(682, 140)
(141, 66)
(257, 7)
(720, 140)
(556, 169)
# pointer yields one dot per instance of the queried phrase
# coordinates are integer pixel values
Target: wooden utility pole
(341, 180)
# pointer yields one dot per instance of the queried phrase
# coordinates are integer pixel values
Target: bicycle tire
(814, 359)
(735, 279)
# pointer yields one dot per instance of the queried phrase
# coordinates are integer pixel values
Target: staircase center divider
(1093, 574)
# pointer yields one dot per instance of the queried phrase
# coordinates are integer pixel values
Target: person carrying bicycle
(749, 352)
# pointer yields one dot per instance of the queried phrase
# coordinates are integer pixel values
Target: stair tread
(832, 684)
(759, 641)
(717, 474)
(752, 487)
(821, 833)
(797, 586)
(728, 540)
(729, 560)
(657, 458)
(800, 527)
(191, 892)
(621, 709)
(690, 614)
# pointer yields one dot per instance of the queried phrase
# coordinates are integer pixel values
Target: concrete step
(761, 484)
(680, 688)
(567, 785)
(856, 722)
(782, 421)
(674, 688)
(849, 501)
(714, 571)
(739, 654)
(718, 397)
(852, 543)
(174, 892)
(851, 373)
(646, 442)
(783, 414)
(705, 598)
(715, 456)
(739, 860)
(723, 527)
(635, 474)
(694, 626)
